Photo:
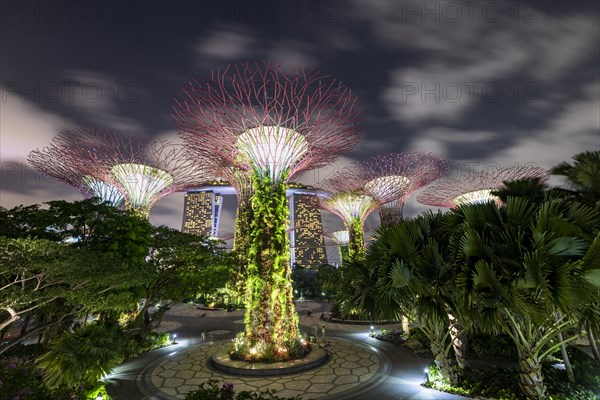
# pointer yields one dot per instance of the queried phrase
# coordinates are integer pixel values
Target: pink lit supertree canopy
(273, 123)
(142, 173)
(398, 175)
(68, 159)
(353, 195)
(476, 187)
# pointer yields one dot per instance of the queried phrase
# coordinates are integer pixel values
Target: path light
(426, 371)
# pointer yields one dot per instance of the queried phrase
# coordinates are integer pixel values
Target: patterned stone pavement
(351, 365)
(361, 367)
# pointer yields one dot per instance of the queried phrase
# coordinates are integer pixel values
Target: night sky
(481, 83)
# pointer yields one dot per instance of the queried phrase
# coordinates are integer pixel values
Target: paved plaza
(359, 367)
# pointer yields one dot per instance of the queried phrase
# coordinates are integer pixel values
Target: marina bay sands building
(202, 212)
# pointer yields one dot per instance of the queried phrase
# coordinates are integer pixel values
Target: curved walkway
(360, 367)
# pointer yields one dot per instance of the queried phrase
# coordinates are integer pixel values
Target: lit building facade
(306, 236)
(202, 212)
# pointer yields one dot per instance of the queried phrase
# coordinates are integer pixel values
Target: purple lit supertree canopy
(142, 173)
(397, 176)
(476, 187)
(354, 194)
(68, 159)
(273, 123)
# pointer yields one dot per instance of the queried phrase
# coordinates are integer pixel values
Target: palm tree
(83, 356)
(583, 176)
(413, 278)
(522, 268)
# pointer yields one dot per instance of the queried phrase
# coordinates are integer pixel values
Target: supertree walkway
(274, 124)
(397, 176)
(476, 187)
(68, 158)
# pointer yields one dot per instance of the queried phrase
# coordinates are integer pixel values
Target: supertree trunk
(271, 319)
(390, 216)
(343, 253)
(241, 239)
(356, 244)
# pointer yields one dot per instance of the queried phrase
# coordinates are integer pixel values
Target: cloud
(224, 44)
(233, 43)
(100, 98)
(24, 127)
(460, 64)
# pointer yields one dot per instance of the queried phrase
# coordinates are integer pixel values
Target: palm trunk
(592, 341)
(566, 360)
(531, 379)
(405, 325)
(459, 342)
(446, 365)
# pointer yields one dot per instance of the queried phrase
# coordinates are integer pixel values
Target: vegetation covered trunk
(271, 320)
(241, 238)
(343, 253)
(356, 239)
(390, 216)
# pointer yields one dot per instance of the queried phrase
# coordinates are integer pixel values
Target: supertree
(69, 160)
(142, 173)
(341, 239)
(476, 187)
(353, 195)
(273, 123)
(397, 176)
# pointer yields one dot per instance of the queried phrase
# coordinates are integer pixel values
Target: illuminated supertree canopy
(273, 123)
(354, 194)
(397, 176)
(476, 187)
(142, 173)
(342, 239)
(69, 160)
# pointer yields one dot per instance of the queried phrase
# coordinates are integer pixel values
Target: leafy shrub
(153, 340)
(211, 391)
(82, 356)
(587, 376)
(419, 335)
(20, 379)
(393, 336)
(502, 383)
(493, 347)
(266, 352)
